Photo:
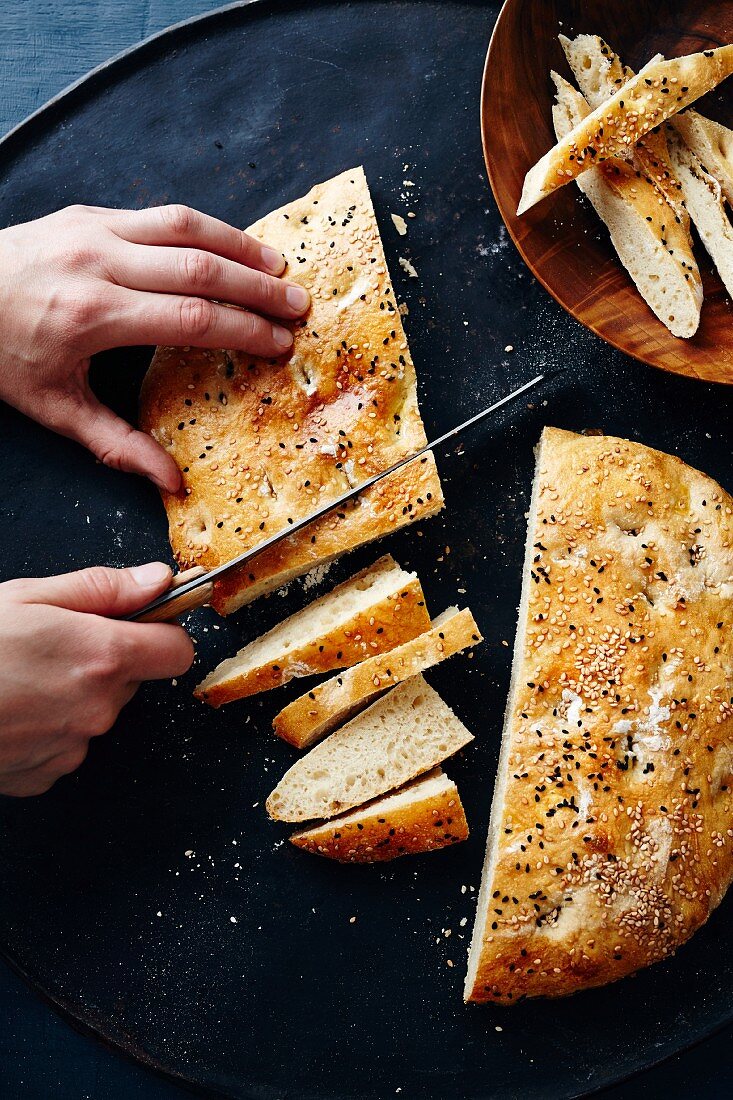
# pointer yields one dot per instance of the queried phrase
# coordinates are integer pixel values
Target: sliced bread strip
(600, 73)
(596, 68)
(376, 610)
(706, 204)
(651, 242)
(423, 816)
(404, 734)
(330, 704)
(609, 836)
(661, 89)
(712, 144)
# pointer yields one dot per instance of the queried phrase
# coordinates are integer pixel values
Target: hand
(86, 279)
(66, 670)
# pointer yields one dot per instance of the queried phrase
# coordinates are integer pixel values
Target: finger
(115, 443)
(100, 591)
(154, 651)
(26, 784)
(197, 273)
(144, 318)
(180, 225)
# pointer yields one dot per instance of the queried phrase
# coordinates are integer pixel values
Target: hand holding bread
(85, 279)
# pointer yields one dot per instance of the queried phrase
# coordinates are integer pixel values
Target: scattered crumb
(315, 576)
(408, 267)
(449, 962)
(352, 920)
(399, 223)
(509, 347)
(402, 309)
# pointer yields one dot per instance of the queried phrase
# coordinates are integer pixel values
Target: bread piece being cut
(404, 734)
(374, 611)
(425, 815)
(261, 443)
(652, 244)
(597, 67)
(609, 839)
(330, 704)
(661, 89)
(712, 144)
(600, 73)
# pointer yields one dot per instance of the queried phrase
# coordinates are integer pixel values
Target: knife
(194, 587)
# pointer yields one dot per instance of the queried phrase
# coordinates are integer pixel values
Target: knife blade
(193, 588)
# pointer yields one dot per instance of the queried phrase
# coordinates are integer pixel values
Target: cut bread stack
(379, 767)
(646, 177)
(610, 835)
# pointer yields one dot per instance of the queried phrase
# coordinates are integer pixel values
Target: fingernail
(273, 261)
(282, 336)
(297, 297)
(150, 575)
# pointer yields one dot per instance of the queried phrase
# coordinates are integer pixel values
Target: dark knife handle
(175, 606)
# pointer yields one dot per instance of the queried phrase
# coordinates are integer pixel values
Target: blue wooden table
(45, 45)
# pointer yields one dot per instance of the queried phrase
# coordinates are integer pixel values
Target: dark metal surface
(236, 115)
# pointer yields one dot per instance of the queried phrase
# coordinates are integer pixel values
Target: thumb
(101, 591)
(114, 442)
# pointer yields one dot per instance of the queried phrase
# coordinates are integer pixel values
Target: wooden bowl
(561, 239)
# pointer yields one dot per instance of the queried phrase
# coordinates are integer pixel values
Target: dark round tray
(101, 907)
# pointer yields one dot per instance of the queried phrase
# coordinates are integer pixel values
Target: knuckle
(101, 583)
(196, 317)
(79, 308)
(265, 288)
(199, 269)
(70, 760)
(178, 218)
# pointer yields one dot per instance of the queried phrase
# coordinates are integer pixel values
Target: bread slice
(330, 704)
(651, 242)
(706, 204)
(262, 443)
(374, 611)
(712, 144)
(597, 67)
(661, 89)
(600, 73)
(425, 815)
(609, 835)
(405, 733)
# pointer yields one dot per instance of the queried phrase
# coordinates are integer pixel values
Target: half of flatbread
(610, 838)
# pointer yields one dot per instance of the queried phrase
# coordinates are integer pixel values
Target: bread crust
(661, 89)
(614, 840)
(313, 715)
(384, 624)
(264, 442)
(378, 832)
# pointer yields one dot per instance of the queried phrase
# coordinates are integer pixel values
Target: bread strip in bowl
(377, 609)
(610, 837)
(261, 443)
(404, 734)
(712, 144)
(652, 243)
(330, 704)
(596, 67)
(425, 815)
(600, 73)
(661, 89)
